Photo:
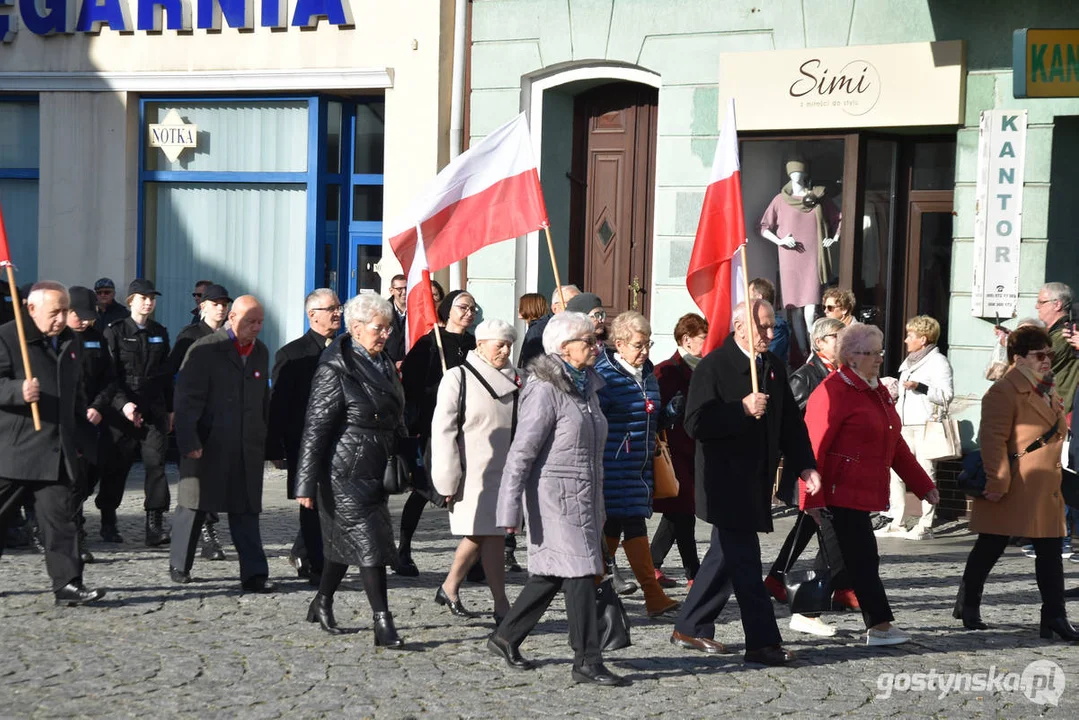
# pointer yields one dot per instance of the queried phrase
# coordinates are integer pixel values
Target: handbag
(404, 467)
(664, 481)
(808, 591)
(972, 478)
(613, 620)
(940, 438)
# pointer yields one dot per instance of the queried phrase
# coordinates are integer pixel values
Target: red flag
(714, 279)
(487, 194)
(5, 253)
(420, 301)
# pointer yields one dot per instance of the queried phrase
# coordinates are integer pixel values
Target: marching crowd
(557, 448)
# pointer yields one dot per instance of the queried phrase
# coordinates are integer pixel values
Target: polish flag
(5, 252)
(420, 301)
(715, 272)
(487, 194)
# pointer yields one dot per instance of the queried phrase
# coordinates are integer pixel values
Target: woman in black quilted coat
(353, 418)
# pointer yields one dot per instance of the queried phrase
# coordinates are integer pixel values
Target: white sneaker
(891, 530)
(893, 636)
(811, 625)
(919, 532)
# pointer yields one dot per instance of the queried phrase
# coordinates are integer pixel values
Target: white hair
(37, 292)
(314, 297)
(556, 294)
(855, 339)
(365, 306)
(564, 327)
(1059, 291)
(738, 315)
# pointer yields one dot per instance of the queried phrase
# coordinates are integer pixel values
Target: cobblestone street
(155, 649)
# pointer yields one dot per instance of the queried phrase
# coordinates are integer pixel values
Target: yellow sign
(1045, 63)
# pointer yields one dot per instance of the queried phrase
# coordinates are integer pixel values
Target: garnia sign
(52, 17)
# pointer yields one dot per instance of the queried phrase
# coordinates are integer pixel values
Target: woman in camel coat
(469, 444)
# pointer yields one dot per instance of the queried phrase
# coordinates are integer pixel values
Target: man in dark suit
(222, 407)
(293, 370)
(395, 345)
(45, 462)
(740, 435)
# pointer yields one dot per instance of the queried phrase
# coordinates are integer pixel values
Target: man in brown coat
(222, 407)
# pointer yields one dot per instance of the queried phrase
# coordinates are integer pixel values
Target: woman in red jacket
(856, 438)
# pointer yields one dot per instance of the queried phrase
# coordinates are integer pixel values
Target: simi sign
(1045, 63)
(52, 17)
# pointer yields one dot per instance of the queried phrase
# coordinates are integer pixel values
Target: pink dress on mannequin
(799, 280)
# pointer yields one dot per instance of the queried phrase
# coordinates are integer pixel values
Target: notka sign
(51, 17)
(172, 135)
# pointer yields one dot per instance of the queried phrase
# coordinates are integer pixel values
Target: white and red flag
(487, 194)
(420, 301)
(715, 272)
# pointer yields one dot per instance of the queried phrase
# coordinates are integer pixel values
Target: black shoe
(511, 563)
(321, 611)
(33, 532)
(476, 574)
(211, 545)
(1059, 626)
(968, 610)
(301, 565)
(507, 652)
(619, 583)
(385, 633)
(179, 576)
(110, 533)
(771, 655)
(405, 566)
(85, 555)
(1072, 594)
(456, 607)
(75, 593)
(258, 584)
(156, 534)
(597, 673)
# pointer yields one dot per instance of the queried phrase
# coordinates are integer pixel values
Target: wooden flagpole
(554, 265)
(750, 322)
(431, 294)
(16, 303)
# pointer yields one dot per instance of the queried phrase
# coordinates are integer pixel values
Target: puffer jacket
(355, 414)
(632, 414)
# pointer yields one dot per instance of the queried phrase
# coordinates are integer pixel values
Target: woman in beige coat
(474, 420)
(1022, 430)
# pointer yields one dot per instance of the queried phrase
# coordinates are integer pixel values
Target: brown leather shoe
(706, 645)
(771, 655)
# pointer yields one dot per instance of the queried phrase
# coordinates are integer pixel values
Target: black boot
(321, 611)
(110, 533)
(385, 633)
(156, 534)
(511, 562)
(211, 545)
(968, 609)
(1058, 625)
(620, 584)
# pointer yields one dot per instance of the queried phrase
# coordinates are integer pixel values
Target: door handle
(636, 289)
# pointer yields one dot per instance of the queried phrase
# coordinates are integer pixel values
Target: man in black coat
(395, 345)
(293, 370)
(740, 435)
(45, 462)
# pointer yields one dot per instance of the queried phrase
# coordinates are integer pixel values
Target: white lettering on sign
(172, 135)
(998, 213)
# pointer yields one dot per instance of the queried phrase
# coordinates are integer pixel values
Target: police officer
(108, 310)
(140, 348)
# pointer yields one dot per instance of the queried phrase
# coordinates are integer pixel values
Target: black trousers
(677, 528)
(626, 528)
(152, 448)
(732, 563)
(536, 597)
(244, 528)
(854, 532)
(308, 542)
(1048, 569)
(829, 556)
(56, 505)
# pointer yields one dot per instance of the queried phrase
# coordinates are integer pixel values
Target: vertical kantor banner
(998, 213)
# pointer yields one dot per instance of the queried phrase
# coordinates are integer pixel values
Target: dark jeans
(829, 556)
(536, 597)
(244, 528)
(56, 505)
(1048, 569)
(677, 528)
(858, 546)
(152, 448)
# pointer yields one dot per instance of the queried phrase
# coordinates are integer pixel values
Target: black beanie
(446, 304)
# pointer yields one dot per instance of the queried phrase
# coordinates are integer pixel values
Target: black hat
(584, 303)
(141, 286)
(104, 283)
(216, 292)
(83, 302)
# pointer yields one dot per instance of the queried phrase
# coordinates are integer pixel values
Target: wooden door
(612, 204)
(929, 260)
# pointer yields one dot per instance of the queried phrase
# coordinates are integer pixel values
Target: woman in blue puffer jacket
(630, 402)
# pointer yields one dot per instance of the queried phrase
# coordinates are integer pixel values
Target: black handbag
(972, 478)
(808, 591)
(613, 620)
(404, 467)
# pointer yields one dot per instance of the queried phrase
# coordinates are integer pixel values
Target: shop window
(19, 150)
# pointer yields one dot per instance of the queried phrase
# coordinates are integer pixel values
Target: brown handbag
(664, 481)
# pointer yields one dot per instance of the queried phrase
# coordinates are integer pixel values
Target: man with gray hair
(293, 369)
(1054, 306)
(46, 462)
(533, 343)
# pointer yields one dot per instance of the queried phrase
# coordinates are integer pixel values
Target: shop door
(611, 208)
(929, 263)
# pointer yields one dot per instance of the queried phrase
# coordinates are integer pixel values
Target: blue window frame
(20, 132)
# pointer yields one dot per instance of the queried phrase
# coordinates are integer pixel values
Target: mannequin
(802, 225)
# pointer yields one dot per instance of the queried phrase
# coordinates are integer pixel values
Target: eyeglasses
(830, 308)
(402, 288)
(383, 330)
(642, 346)
(588, 340)
(598, 314)
(1039, 303)
(332, 309)
(197, 296)
(105, 291)
(1040, 355)
(830, 335)
(869, 353)
(467, 309)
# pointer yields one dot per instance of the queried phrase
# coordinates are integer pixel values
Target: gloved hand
(673, 412)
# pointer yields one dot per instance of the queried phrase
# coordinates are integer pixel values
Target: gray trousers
(244, 528)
